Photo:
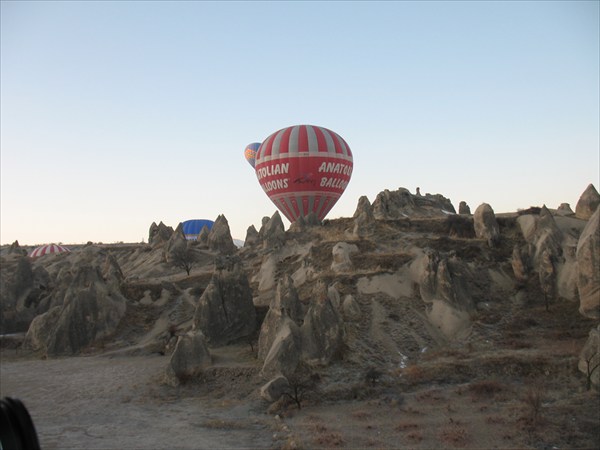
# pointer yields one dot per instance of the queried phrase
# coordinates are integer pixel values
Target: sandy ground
(103, 402)
(100, 402)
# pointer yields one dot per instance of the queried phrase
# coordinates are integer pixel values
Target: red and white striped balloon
(304, 169)
(48, 249)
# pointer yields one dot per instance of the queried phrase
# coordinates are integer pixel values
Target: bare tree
(184, 258)
(301, 381)
(590, 367)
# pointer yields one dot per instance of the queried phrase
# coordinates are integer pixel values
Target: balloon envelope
(304, 169)
(192, 228)
(48, 249)
(250, 153)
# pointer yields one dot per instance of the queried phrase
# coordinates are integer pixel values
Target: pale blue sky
(118, 114)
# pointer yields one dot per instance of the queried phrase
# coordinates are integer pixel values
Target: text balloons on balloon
(250, 153)
(304, 169)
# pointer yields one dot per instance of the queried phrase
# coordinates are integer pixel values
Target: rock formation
(486, 226)
(225, 311)
(285, 303)
(190, 356)
(564, 210)
(284, 354)
(363, 218)
(463, 208)
(251, 236)
(342, 251)
(322, 332)
(176, 244)
(390, 205)
(587, 203)
(273, 232)
(219, 238)
(159, 234)
(588, 268)
(203, 236)
(91, 310)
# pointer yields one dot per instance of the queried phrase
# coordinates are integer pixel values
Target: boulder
(463, 208)
(190, 356)
(486, 226)
(587, 203)
(275, 388)
(588, 268)
(40, 330)
(342, 252)
(225, 311)
(219, 238)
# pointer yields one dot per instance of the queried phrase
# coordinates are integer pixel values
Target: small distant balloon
(250, 153)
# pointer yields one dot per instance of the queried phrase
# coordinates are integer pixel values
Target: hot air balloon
(250, 152)
(192, 228)
(304, 169)
(48, 249)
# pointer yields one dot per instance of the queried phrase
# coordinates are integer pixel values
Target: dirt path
(107, 403)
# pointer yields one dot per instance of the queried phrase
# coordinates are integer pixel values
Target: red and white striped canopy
(47, 249)
(304, 169)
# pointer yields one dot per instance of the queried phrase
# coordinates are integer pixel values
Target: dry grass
(454, 434)
(486, 388)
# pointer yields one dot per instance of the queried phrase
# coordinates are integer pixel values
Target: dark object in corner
(16, 427)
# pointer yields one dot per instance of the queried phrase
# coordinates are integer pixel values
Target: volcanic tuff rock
(322, 332)
(587, 203)
(486, 226)
(284, 354)
(251, 236)
(520, 263)
(363, 218)
(203, 236)
(285, 303)
(564, 210)
(225, 312)
(390, 205)
(219, 238)
(342, 251)
(275, 388)
(463, 208)
(588, 268)
(159, 234)
(177, 243)
(273, 232)
(190, 356)
(92, 310)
